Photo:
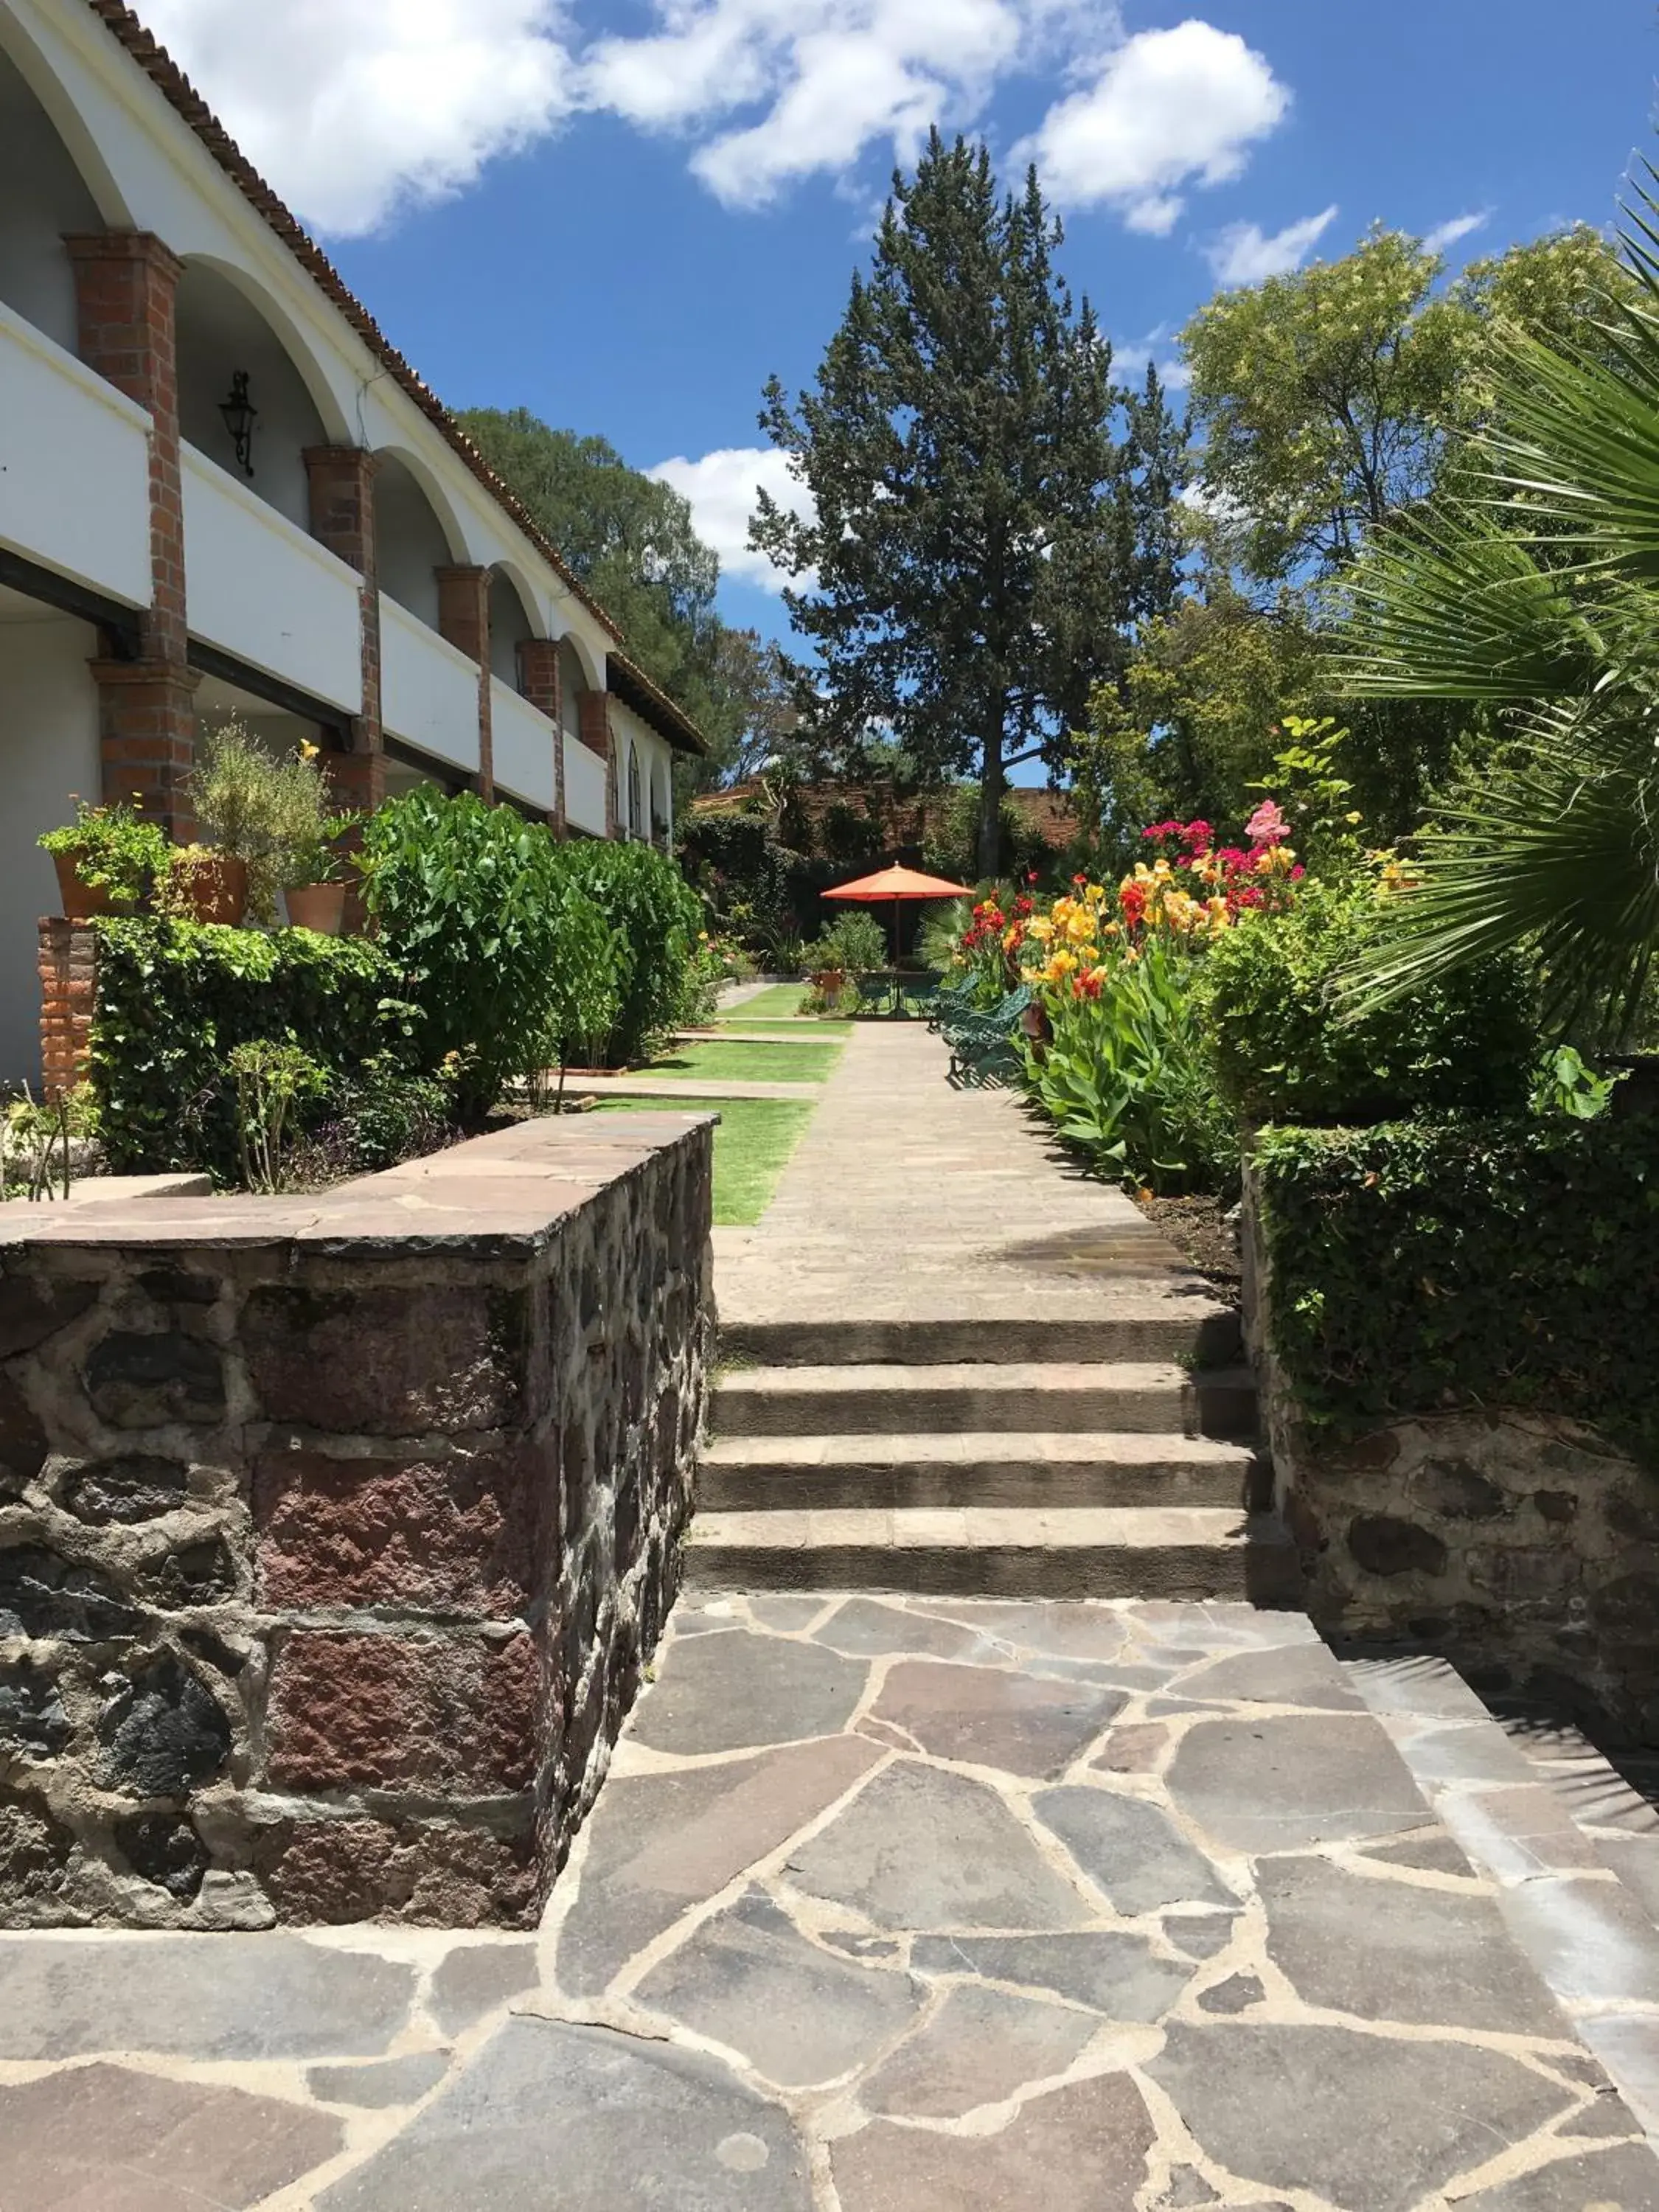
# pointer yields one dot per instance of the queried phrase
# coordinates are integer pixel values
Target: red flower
(1079, 879)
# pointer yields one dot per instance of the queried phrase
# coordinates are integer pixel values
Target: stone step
(1063, 1396)
(1155, 1325)
(978, 1467)
(1188, 1552)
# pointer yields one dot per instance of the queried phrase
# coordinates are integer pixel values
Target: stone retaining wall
(334, 1532)
(1523, 1547)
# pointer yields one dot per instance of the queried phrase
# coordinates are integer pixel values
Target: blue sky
(625, 214)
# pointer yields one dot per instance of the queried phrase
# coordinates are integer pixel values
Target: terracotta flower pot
(829, 981)
(320, 907)
(80, 900)
(215, 889)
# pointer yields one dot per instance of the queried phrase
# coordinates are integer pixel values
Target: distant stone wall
(1523, 1547)
(335, 1534)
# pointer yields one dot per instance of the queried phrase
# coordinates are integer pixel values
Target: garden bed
(1207, 1238)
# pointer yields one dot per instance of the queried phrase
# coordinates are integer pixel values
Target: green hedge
(1418, 1268)
(175, 997)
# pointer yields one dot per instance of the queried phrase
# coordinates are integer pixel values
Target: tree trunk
(991, 787)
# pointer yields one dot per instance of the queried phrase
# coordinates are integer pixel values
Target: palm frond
(1560, 846)
(1457, 609)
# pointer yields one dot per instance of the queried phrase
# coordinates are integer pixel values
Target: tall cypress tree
(985, 539)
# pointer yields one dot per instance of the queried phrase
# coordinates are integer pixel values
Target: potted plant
(307, 845)
(236, 791)
(204, 884)
(107, 860)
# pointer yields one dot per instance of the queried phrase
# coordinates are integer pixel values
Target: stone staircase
(876, 1456)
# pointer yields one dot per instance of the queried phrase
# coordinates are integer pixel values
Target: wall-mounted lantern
(240, 414)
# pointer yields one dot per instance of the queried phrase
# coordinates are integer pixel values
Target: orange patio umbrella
(898, 885)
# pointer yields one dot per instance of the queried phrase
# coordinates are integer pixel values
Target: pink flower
(1267, 826)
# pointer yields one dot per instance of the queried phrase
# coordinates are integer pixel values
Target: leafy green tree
(1538, 600)
(980, 545)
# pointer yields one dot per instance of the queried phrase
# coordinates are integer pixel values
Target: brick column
(125, 284)
(538, 681)
(342, 482)
(595, 710)
(463, 619)
(69, 981)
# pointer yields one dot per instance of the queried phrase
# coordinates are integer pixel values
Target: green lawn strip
(775, 1003)
(704, 1063)
(804, 1029)
(753, 1141)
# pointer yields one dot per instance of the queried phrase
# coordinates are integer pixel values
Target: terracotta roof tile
(175, 86)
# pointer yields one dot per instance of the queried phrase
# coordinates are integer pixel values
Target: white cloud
(1244, 254)
(721, 487)
(1130, 358)
(1448, 234)
(354, 107)
(1167, 110)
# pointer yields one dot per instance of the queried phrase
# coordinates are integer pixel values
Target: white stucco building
(354, 576)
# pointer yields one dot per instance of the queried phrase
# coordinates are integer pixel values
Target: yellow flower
(1042, 929)
(1061, 965)
(1079, 926)
(307, 750)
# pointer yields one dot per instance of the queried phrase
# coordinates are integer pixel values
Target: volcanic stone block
(460, 1533)
(164, 1850)
(34, 1306)
(123, 1490)
(425, 1712)
(164, 1734)
(142, 1381)
(23, 1444)
(429, 1873)
(32, 1717)
(42, 1595)
(391, 1362)
(34, 1854)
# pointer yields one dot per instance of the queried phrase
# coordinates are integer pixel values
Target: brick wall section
(342, 487)
(594, 707)
(463, 619)
(538, 681)
(69, 979)
(332, 1554)
(125, 287)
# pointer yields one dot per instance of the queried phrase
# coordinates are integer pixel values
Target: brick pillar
(463, 619)
(69, 979)
(125, 284)
(538, 681)
(595, 710)
(342, 482)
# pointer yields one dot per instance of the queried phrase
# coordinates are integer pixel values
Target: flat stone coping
(500, 1195)
(124, 1190)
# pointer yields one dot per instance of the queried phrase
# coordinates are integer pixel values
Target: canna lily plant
(1535, 595)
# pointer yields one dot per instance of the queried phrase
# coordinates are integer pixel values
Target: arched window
(635, 802)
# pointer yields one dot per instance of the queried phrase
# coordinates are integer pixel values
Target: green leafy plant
(855, 943)
(1284, 1045)
(269, 1079)
(1125, 1078)
(653, 916)
(175, 998)
(235, 790)
(114, 849)
(583, 989)
(1416, 1266)
(1562, 1083)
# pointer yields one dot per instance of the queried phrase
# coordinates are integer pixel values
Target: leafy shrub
(653, 916)
(1416, 1266)
(1282, 1050)
(175, 999)
(384, 1112)
(1125, 1076)
(854, 942)
(497, 947)
(270, 1079)
(114, 848)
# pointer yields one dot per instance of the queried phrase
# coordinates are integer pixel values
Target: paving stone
(867, 1629)
(1396, 1950)
(725, 1693)
(477, 1979)
(1200, 1935)
(1237, 1994)
(103, 2138)
(1623, 2179)
(1627, 2045)
(1592, 1941)
(781, 1611)
(1429, 1854)
(658, 1844)
(800, 2015)
(1117, 1975)
(1473, 1750)
(985, 1717)
(197, 1997)
(919, 1848)
(1635, 1860)
(1283, 1785)
(1136, 1748)
(1415, 1682)
(1362, 2121)
(1291, 1675)
(979, 2048)
(1082, 2148)
(380, 2083)
(1130, 1850)
(1072, 1630)
(549, 2115)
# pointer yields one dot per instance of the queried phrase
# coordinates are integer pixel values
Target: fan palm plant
(1536, 593)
